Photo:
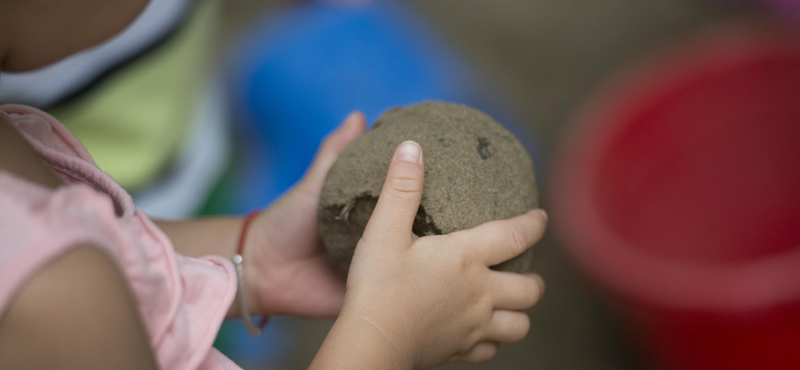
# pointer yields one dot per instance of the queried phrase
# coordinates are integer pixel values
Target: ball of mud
(475, 171)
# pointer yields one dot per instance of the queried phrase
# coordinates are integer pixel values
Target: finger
(516, 291)
(499, 241)
(481, 352)
(353, 126)
(399, 200)
(508, 326)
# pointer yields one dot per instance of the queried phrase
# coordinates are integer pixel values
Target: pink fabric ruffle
(182, 300)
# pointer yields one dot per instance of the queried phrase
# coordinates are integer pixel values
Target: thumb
(393, 217)
(354, 125)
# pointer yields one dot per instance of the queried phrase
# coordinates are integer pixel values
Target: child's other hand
(435, 299)
(286, 265)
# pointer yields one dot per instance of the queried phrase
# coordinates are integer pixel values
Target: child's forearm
(203, 237)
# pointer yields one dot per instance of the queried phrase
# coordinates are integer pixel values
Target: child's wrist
(389, 320)
(386, 336)
(247, 296)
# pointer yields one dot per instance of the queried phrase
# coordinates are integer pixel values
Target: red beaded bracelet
(240, 293)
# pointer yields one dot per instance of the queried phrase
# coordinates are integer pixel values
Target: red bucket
(679, 193)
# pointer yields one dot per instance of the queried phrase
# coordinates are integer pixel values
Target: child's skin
(408, 303)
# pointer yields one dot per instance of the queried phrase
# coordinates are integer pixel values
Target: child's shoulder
(18, 158)
(38, 148)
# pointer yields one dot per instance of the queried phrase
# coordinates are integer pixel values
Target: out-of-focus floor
(545, 57)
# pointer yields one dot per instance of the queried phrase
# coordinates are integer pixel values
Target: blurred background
(536, 66)
(237, 95)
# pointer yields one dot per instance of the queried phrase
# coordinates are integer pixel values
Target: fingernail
(542, 285)
(409, 151)
(544, 214)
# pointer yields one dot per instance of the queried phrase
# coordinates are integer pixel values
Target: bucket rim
(607, 258)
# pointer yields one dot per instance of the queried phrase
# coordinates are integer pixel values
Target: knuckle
(402, 186)
(484, 301)
(455, 240)
(463, 255)
(465, 259)
(518, 238)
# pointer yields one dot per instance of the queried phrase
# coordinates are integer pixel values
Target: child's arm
(76, 313)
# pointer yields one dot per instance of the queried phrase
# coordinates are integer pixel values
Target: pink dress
(182, 300)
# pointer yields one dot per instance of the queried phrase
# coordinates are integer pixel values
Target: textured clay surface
(475, 171)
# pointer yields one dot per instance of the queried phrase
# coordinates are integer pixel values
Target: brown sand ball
(475, 171)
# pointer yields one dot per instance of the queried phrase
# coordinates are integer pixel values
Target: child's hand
(286, 265)
(419, 302)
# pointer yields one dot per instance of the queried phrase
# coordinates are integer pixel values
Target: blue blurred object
(267, 351)
(296, 77)
(298, 74)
